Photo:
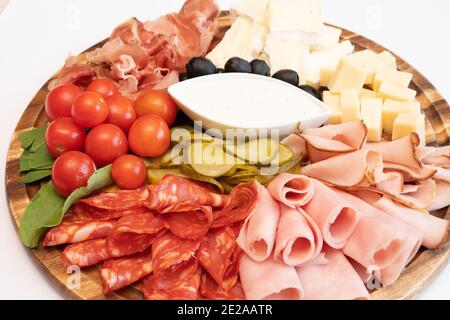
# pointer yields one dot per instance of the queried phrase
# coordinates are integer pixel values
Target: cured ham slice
(336, 217)
(85, 253)
(441, 199)
(269, 280)
(334, 280)
(210, 290)
(73, 232)
(120, 272)
(410, 173)
(299, 239)
(434, 230)
(134, 233)
(359, 168)
(257, 235)
(291, 190)
(296, 144)
(120, 200)
(319, 148)
(436, 156)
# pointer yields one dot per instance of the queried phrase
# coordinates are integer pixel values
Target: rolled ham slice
(296, 144)
(257, 235)
(334, 280)
(291, 190)
(299, 239)
(336, 218)
(269, 280)
(442, 198)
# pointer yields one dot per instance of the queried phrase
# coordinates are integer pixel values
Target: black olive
(236, 64)
(199, 66)
(312, 91)
(289, 76)
(183, 77)
(260, 67)
(220, 70)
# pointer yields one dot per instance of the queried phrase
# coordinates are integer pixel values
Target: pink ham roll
(291, 190)
(257, 235)
(269, 280)
(334, 280)
(336, 218)
(298, 237)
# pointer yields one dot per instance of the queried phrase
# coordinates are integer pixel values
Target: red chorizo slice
(73, 232)
(190, 225)
(134, 233)
(242, 201)
(181, 282)
(85, 253)
(170, 250)
(119, 272)
(119, 200)
(210, 290)
(177, 194)
(81, 211)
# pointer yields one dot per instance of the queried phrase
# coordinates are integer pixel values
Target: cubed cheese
(392, 76)
(392, 108)
(254, 10)
(406, 123)
(326, 38)
(325, 75)
(371, 114)
(367, 60)
(389, 90)
(294, 15)
(386, 61)
(334, 102)
(348, 75)
(350, 106)
(366, 93)
(244, 39)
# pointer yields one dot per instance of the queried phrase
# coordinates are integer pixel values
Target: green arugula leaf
(33, 176)
(27, 138)
(44, 211)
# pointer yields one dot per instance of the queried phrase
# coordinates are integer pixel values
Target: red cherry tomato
(121, 112)
(105, 144)
(149, 136)
(63, 135)
(105, 87)
(89, 110)
(71, 171)
(157, 102)
(59, 101)
(129, 171)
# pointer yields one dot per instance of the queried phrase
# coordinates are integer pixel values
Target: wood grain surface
(86, 284)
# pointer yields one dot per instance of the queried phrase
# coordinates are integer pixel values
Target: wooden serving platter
(86, 284)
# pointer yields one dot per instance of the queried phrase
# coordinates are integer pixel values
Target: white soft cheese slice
(244, 39)
(326, 39)
(254, 10)
(295, 15)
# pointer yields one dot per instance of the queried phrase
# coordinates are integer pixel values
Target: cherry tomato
(105, 87)
(105, 144)
(59, 101)
(71, 171)
(129, 171)
(89, 109)
(149, 136)
(121, 112)
(63, 135)
(157, 102)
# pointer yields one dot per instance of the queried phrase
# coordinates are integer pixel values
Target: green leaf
(99, 180)
(44, 211)
(40, 158)
(27, 138)
(33, 176)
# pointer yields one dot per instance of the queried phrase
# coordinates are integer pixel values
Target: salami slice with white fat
(119, 200)
(190, 225)
(85, 253)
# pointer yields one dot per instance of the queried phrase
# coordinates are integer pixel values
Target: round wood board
(86, 284)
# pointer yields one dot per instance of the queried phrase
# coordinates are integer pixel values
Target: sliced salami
(73, 232)
(210, 290)
(82, 211)
(134, 233)
(242, 201)
(120, 200)
(85, 253)
(120, 272)
(178, 194)
(190, 225)
(170, 250)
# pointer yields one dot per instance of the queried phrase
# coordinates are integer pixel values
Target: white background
(36, 37)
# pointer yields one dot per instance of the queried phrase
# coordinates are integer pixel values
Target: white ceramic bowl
(248, 101)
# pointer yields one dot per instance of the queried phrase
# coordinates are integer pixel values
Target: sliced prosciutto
(333, 280)
(257, 235)
(269, 280)
(336, 217)
(85, 254)
(299, 239)
(291, 190)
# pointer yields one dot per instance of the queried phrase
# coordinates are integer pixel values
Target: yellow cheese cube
(392, 76)
(348, 75)
(406, 123)
(334, 102)
(386, 61)
(366, 93)
(325, 75)
(392, 108)
(371, 111)
(350, 105)
(388, 90)
(366, 59)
